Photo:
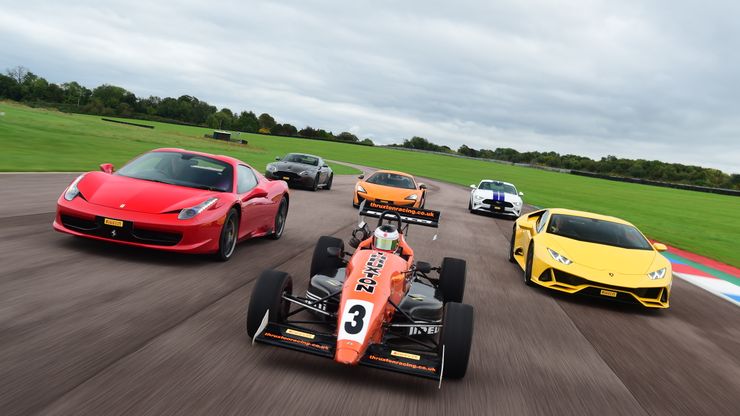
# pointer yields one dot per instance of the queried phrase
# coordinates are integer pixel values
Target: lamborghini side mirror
(660, 246)
(107, 168)
(526, 226)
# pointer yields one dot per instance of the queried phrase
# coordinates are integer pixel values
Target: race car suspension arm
(304, 305)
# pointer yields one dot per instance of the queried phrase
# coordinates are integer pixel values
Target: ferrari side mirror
(107, 168)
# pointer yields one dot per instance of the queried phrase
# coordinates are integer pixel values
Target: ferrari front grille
(78, 224)
(159, 238)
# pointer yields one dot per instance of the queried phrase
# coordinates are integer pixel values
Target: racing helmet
(386, 238)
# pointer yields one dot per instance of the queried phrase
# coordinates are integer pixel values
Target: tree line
(654, 170)
(20, 84)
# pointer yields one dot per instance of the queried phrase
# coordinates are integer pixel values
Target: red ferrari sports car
(175, 200)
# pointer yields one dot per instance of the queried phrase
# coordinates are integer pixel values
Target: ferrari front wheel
(455, 339)
(280, 217)
(267, 300)
(229, 236)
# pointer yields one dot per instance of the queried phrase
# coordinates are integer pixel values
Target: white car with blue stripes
(496, 197)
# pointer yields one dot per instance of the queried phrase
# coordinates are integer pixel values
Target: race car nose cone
(347, 356)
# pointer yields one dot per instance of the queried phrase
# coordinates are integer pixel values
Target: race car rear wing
(418, 216)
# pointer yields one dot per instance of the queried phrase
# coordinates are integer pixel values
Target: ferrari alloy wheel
(315, 186)
(511, 245)
(280, 217)
(455, 339)
(229, 235)
(452, 279)
(322, 262)
(528, 265)
(268, 296)
(328, 184)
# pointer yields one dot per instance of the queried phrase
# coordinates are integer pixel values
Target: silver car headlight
(559, 257)
(361, 189)
(72, 191)
(271, 168)
(188, 213)
(658, 274)
(412, 197)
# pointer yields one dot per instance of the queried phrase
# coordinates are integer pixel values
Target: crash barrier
(707, 189)
(129, 123)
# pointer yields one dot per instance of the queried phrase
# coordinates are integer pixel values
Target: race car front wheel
(229, 236)
(455, 339)
(268, 296)
(452, 279)
(322, 262)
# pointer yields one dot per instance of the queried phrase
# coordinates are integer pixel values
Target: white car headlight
(559, 257)
(361, 189)
(188, 213)
(517, 203)
(658, 274)
(271, 168)
(412, 197)
(72, 191)
(478, 197)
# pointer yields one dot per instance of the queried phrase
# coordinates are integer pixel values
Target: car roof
(303, 154)
(587, 214)
(222, 158)
(492, 180)
(394, 171)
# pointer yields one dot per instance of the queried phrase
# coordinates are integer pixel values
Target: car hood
(602, 257)
(137, 195)
(293, 166)
(387, 192)
(497, 196)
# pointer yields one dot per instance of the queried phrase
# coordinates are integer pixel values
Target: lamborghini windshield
(392, 179)
(299, 158)
(183, 169)
(597, 231)
(497, 186)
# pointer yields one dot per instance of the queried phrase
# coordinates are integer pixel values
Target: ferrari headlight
(188, 213)
(361, 189)
(305, 173)
(559, 257)
(658, 274)
(72, 190)
(271, 168)
(412, 197)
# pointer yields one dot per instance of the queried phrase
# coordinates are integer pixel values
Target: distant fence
(721, 191)
(128, 123)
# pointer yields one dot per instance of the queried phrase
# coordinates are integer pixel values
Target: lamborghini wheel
(511, 245)
(452, 279)
(528, 266)
(455, 339)
(280, 217)
(268, 296)
(229, 236)
(322, 262)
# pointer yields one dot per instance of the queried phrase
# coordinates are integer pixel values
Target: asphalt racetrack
(98, 329)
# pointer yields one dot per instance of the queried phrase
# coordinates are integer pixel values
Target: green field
(43, 140)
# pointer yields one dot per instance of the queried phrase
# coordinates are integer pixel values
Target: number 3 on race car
(355, 320)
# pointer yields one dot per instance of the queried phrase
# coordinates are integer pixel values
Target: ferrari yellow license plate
(115, 223)
(609, 293)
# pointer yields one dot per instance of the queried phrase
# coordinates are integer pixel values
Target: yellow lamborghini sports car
(591, 254)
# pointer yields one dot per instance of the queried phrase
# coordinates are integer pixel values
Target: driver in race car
(386, 238)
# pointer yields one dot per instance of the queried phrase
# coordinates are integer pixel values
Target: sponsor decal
(402, 364)
(112, 222)
(355, 320)
(405, 355)
(424, 330)
(609, 293)
(404, 210)
(300, 333)
(296, 341)
(370, 272)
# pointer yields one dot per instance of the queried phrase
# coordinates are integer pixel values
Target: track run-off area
(88, 328)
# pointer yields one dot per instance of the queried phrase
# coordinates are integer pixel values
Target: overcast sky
(639, 79)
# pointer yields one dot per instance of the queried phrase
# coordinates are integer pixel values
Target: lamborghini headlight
(412, 197)
(72, 191)
(361, 189)
(188, 213)
(271, 168)
(658, 274)
(559, 257)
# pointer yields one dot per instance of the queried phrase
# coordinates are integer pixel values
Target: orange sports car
(390, 187)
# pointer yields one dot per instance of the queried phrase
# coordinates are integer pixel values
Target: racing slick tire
(228, 237)
(315, 186)
(528, 266)
(268, 295)
(328, 184)
(452, 279)
(511, 245)
(456, 337)
(280, 217)
(321, 261)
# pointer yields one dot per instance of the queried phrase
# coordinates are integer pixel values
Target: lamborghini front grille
(572, 280)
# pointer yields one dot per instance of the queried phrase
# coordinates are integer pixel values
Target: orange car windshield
(391, 179)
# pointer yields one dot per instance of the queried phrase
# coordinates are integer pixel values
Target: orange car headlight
(412, 197)
(361, 189)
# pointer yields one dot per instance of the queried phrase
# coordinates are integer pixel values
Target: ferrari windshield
(299, 158)
(497, 186)
(597, 231)
(183, 169)
(392, 179)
